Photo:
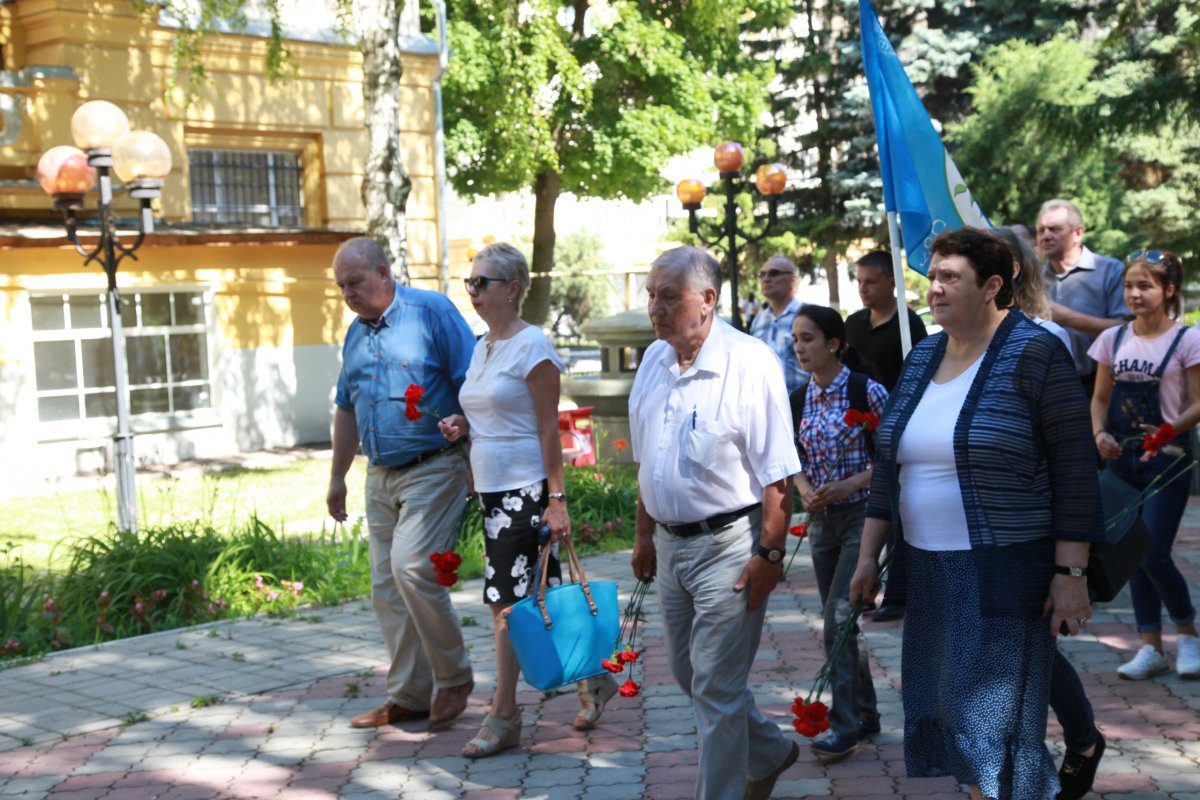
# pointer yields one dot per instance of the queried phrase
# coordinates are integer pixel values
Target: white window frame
(84, 427)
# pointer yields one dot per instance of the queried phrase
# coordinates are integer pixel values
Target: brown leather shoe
(761, 789)
(387, 714)
(448, 704)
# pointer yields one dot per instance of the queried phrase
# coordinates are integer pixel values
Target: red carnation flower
(1156, 440)
(630, 689)
(853, 417)
(612, 666)
(447, 578)
(620, 444)
(413, 394)
(627, 657)
(412, 413)
(798, 530)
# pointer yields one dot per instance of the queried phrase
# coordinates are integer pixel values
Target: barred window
(166, 348)
(246, 187)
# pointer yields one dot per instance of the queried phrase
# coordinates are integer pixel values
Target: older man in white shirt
(712, 435)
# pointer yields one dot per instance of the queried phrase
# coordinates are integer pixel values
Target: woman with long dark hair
(835, 459)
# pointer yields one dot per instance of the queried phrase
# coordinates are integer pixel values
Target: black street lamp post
(140, 159)
(770, 180)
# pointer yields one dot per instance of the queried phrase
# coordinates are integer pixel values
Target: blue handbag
(561, 634)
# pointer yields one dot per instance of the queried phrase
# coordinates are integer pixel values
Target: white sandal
(597, 691)
(507, 733)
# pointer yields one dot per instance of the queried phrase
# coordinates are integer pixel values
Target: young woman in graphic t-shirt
(1148, 381)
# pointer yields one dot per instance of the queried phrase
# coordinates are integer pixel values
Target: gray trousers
(411, 513)
(711, 641)
(834, 536)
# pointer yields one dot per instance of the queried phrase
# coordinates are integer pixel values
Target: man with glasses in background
(773, 324)
(1086, 290)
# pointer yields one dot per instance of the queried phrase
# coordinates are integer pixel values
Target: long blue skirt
(975, 689)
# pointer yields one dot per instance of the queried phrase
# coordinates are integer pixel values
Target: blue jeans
(834, 537)
(1158, 582)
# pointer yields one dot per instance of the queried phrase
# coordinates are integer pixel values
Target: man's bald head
(361, 271)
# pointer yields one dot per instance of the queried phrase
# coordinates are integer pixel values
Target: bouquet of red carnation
(446, 565)
(811, 715)
(412, 409)
(626, 653)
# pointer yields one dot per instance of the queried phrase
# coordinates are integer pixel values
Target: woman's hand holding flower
(1108, 445)
(453, 427)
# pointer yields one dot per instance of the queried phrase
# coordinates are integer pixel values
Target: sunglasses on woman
(480, 283)
(1149, 256)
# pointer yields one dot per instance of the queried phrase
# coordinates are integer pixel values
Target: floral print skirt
(511, 522)
(975, 688)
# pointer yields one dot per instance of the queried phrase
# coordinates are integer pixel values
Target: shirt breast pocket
(708, 443)
(401, 375)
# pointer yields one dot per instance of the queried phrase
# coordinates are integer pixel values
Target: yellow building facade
(232, 323)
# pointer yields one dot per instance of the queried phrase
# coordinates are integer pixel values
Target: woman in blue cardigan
(995, 513)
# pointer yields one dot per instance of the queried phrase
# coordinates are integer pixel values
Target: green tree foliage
(579, 292)
(593, 98)
(821, 112)
(1038, 130)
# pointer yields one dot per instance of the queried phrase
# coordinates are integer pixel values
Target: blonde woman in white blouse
(510, 402)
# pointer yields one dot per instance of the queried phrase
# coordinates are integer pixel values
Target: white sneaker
(1188, 662)
(1146, 664)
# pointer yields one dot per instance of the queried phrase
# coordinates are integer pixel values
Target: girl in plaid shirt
(835, 473)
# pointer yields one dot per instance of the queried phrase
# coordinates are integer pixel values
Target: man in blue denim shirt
(773, 323)
(416, 482)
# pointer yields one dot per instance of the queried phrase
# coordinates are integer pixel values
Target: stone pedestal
(622, 339)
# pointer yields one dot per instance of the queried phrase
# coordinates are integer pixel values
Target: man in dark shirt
(874, 335)
(874, 332)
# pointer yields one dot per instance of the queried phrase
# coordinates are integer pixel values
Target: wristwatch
(772, 554)
(1074, 572)
(558, 496)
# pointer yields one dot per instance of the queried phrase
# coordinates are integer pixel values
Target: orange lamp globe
(690, 192)
(98, 123)
(728, 157)
(772, 178)
(65, 170)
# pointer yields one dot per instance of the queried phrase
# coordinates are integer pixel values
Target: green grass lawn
(290, 498)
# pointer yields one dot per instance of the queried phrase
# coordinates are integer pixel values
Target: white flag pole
(898, 273)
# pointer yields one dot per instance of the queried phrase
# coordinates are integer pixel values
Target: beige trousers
(411, 513)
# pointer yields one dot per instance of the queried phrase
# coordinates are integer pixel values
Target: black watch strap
(772, 554)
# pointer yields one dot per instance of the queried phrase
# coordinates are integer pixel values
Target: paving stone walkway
(259, 708)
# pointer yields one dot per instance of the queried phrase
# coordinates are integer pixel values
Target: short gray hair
(1074, 218)
(511, 265)
(702, 270)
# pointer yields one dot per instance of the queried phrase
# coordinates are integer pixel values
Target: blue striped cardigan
(1025, 456)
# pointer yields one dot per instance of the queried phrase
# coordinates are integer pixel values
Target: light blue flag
(920, 181)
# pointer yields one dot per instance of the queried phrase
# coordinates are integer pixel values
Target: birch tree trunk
(385, 185)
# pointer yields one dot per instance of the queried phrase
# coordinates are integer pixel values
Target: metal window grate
(246, 187)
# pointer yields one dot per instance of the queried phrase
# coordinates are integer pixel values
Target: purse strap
(575, 569)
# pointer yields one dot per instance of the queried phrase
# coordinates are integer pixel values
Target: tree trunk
(385, 185)
(537, 302)
(831, 274)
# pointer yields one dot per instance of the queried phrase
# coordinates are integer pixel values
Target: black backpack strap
(857, 390)
(797, 398)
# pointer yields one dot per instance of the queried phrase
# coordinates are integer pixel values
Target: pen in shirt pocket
(693, 418)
